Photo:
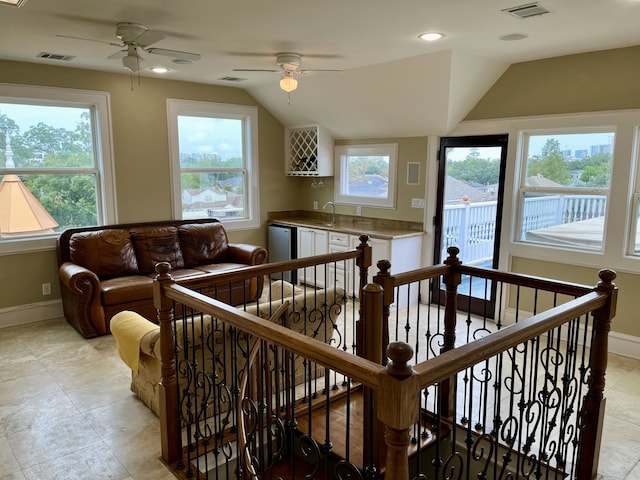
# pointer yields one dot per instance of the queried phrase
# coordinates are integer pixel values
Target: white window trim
(523, 189)
(623, 183)
(106, 194)
(176, 107)
(382, 149)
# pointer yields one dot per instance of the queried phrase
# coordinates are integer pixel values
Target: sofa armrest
(76, 278)
(247, 254)
(81, 302)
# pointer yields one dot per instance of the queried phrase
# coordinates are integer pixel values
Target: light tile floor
(66, 411)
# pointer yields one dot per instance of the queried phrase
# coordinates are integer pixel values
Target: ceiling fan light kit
(131, 63)
(289, 65)
(288, 83)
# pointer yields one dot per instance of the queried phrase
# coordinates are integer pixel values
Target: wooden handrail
(360, 369)
(465, 356)
(516, 279)
(397, 386)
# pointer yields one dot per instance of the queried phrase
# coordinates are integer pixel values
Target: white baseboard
(619, 343)
(624, 344)
(30, 313)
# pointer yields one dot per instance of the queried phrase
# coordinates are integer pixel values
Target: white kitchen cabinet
(340, 272)
(404, 253)
(308, 151)
(312, 241)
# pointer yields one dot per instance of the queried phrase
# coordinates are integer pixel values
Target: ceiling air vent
(527, 11)
(56, 56)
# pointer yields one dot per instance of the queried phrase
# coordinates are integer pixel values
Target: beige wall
(410, 149)
(591, 82)
(141, 152)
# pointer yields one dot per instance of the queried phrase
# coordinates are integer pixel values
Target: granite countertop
(352, 225)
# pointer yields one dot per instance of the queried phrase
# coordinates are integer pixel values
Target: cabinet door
(312, 242)
(339, 273)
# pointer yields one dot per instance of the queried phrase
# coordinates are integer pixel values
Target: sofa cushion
(157, 244)
(126, 289)
(107, 253)
(203, 243)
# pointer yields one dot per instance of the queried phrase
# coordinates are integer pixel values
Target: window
(564, 187)
(214, 149)
(366, 175)
(55, 164)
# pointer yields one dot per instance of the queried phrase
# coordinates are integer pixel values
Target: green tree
(69, 198)
(475, 169)
(597, 175)
(550, 163)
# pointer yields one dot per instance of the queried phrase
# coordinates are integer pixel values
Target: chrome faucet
(333, 213)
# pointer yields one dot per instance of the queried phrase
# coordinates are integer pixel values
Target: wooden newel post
(451, 280)
(168, 388)
(363, 262)
(383, 278)
(398, 409)
(592, 413)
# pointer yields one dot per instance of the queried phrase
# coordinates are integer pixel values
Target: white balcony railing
(471, 226)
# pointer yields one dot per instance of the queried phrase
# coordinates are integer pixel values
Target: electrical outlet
(358, 210)
(418, 203)
(315, 204)
(46, 289)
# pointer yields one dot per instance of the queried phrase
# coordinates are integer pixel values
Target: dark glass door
(469, 210)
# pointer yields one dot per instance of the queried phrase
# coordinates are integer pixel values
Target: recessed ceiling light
(182, 61)
(514, 36)
(13, 3)
(431, 36)
(159, 70)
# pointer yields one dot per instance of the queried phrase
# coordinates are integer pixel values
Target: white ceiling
(393, 83)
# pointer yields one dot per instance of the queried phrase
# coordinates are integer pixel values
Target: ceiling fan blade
(311, 70)
(91, 40)
(256, 70)
(118, 54)
(192, 57)
(148, 38)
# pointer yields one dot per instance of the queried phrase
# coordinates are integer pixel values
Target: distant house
(202, 196)
(370, 186)
(541, 181)
(457, 191)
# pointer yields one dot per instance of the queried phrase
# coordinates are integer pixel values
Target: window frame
(98, 104)
(249, 117)
(523, 189)
(342, 152)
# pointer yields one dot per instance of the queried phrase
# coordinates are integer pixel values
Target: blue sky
(210, 135)
(26, 116)
(197, 134)
(571, 142)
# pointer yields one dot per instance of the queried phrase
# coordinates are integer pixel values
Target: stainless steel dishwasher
(283, 245)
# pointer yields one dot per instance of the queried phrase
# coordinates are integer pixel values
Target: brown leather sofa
(107, 269)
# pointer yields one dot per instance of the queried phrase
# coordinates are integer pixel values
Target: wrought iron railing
(326, 389)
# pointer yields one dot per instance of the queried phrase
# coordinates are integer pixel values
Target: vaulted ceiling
(392, 83)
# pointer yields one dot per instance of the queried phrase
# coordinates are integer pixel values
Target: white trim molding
(30, 313)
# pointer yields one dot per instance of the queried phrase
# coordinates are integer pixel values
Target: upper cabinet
(308, 151)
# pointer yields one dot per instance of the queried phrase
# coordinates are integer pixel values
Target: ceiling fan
(288, 64)
(135, 37)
